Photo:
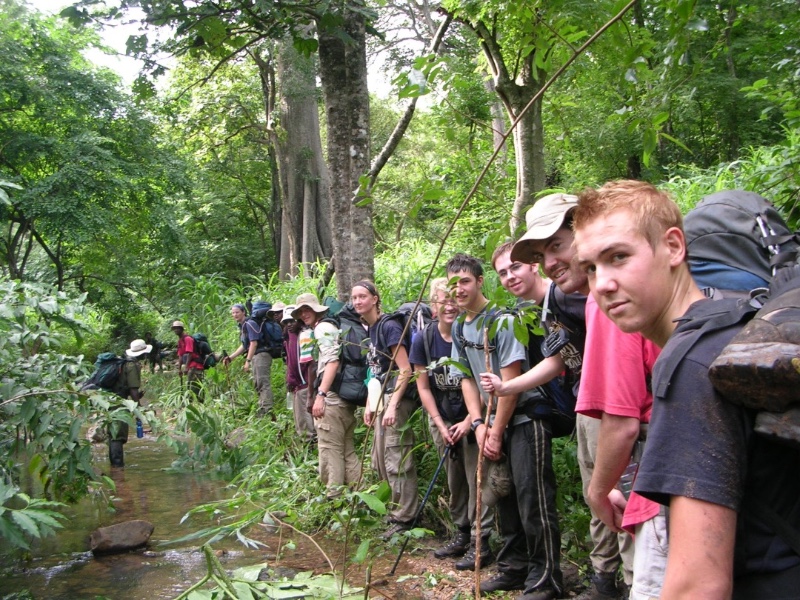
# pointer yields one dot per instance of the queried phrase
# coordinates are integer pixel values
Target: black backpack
(270, 334)
(350, 381)
(202, 349)
(742, 230)
(107, 373)
(419, 319)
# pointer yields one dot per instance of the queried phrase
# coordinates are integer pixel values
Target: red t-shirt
(186, 346)
(616, 370)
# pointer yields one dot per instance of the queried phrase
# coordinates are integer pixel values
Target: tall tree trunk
(515, 92)
(300, 176)
(343, 71)
(303, 173)
(498, 121)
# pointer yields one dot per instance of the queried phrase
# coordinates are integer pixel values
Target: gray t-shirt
(504, 348)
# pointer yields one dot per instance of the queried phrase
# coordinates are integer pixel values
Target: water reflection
(63, 568)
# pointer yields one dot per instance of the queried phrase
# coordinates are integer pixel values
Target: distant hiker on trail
(733, 495)
(257, 358)
(154, 356)
(334, 418)
(128, 385)
(392, 449)
(189, 360)
(297, 376)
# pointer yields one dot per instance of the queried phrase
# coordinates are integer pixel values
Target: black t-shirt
(701, 446)
(567, 313)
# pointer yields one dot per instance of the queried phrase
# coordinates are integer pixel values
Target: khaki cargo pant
(393, 459)
(610, 549)
(262, 368)
(462, 483)
(338, 462)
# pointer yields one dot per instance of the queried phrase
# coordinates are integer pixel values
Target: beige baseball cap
(543, 219)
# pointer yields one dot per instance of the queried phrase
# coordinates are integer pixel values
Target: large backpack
(759, 367)
(350, 381)
(419, 319)
(737, 230)
(202, 349)
(107, 373)
(416, 321)
(270, 333)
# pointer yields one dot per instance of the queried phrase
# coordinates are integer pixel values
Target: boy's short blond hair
(653, 210)
(438, 285)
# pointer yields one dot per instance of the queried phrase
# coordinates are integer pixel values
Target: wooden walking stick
(479, 474)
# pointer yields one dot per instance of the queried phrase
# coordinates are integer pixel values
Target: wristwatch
(475, 424)
(321, 393)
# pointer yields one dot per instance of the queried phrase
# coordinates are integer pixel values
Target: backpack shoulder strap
(427, 340)
(743, 311)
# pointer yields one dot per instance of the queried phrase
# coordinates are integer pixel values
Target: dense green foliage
(121, 213)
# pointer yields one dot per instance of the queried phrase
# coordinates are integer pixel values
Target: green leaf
(25, 523)
(362, 552)
(373, 502)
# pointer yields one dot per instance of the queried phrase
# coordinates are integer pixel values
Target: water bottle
(139, 429)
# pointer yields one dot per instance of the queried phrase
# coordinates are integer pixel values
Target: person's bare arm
(251, 352)
(506, 405)
(539, 375)
(614, 447)
(328, 375)
(701, 541)
(429, 403)
(401, 383)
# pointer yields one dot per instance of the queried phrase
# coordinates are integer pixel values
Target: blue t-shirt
(380, 350)
(445, 385)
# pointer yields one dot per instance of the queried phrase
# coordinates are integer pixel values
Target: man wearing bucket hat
(128, 386)
(613, 408)
(297, 375)
(334, 418)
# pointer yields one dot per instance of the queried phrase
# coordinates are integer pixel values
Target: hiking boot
(547, 593)
(456, 547)
(115, 454)
(395, 528)
(467, 563)
(624, 590)
(503, 582)
(602, 587)
(759, 367)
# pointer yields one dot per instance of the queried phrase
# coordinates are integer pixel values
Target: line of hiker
(636, 336)
(699, 503)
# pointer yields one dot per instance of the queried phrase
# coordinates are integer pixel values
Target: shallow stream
(63, 568)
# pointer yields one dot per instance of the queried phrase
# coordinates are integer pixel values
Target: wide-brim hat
(287, 313)
(176, 324)
(311, 301)
(139, 347)
(277, 307)
(543, 219)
